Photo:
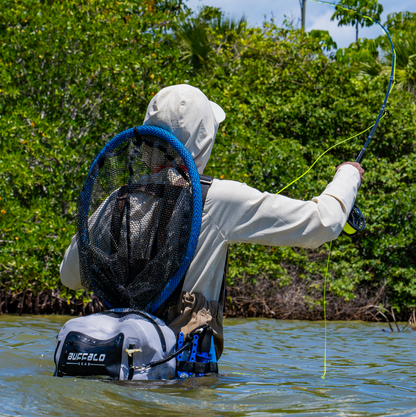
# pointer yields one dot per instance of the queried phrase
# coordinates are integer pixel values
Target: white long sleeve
(69, 269)
(246, 215)
(235, 212)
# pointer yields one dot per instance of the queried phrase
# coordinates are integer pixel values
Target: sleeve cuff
(344, 186)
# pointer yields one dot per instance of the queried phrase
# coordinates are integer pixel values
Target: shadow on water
(269, 367)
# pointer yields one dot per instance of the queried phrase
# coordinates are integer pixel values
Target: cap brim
(219, 113)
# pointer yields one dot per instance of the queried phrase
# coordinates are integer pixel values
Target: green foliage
(365, 51)
(327, 43)
(405, 48)
(209, 13)
(346, 13)
(198, 37)
(405, 57)
(74, 74)
(193, 39)
(228, 29)
(400, 22)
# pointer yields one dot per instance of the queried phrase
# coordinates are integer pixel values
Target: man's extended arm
(245, 214)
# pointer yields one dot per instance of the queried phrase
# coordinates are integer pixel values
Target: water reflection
(269, 368)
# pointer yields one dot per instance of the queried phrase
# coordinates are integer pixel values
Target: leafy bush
(74, 74)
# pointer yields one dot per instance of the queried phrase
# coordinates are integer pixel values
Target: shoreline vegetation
(71, 81)
(263, 299)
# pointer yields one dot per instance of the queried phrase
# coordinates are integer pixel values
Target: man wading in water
(233, 212)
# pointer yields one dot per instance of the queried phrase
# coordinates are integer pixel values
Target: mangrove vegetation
(73, 74)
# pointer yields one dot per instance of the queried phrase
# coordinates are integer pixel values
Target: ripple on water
(269, 367)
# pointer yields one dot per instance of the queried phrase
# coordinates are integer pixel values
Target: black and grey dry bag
(117, 344)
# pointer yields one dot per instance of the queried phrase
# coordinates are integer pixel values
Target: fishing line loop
(325, 280)
(383, 113)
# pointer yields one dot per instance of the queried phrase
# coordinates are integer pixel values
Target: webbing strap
(206, 182)
(130, 360)
(117, 218)
(197, 367)
(119, 314)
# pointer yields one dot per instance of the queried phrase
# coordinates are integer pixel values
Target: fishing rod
(356, 221)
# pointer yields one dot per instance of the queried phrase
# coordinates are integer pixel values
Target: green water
(269, 367)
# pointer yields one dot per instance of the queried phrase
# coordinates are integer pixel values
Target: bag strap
(161, 312)
(206, 182)
(143, 314)
(223, 291)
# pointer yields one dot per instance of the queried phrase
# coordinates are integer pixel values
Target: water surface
(269, 367)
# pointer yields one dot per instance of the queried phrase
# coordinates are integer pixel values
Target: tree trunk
(303, 13)
(356, 35)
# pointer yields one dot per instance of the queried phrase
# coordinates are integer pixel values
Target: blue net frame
(85, 198)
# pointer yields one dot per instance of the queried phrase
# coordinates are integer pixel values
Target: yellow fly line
(326, 274)
(381, 116)
(323, 153)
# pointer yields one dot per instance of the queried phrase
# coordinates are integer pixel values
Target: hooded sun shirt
(187, 113)
(233, 212)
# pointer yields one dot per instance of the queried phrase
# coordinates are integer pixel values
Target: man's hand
(356, 165)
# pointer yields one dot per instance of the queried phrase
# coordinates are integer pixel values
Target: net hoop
(87, 189)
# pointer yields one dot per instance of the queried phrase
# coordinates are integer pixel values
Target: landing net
(139, 216)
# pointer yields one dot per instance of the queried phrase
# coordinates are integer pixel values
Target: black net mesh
(139, 222)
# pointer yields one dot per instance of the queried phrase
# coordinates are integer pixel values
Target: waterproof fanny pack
(122, 344)
(117, 344)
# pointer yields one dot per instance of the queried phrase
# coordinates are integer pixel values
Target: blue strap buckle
(194, 348)
(180, 344)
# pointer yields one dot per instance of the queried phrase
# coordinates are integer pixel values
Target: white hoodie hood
(187, 113)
